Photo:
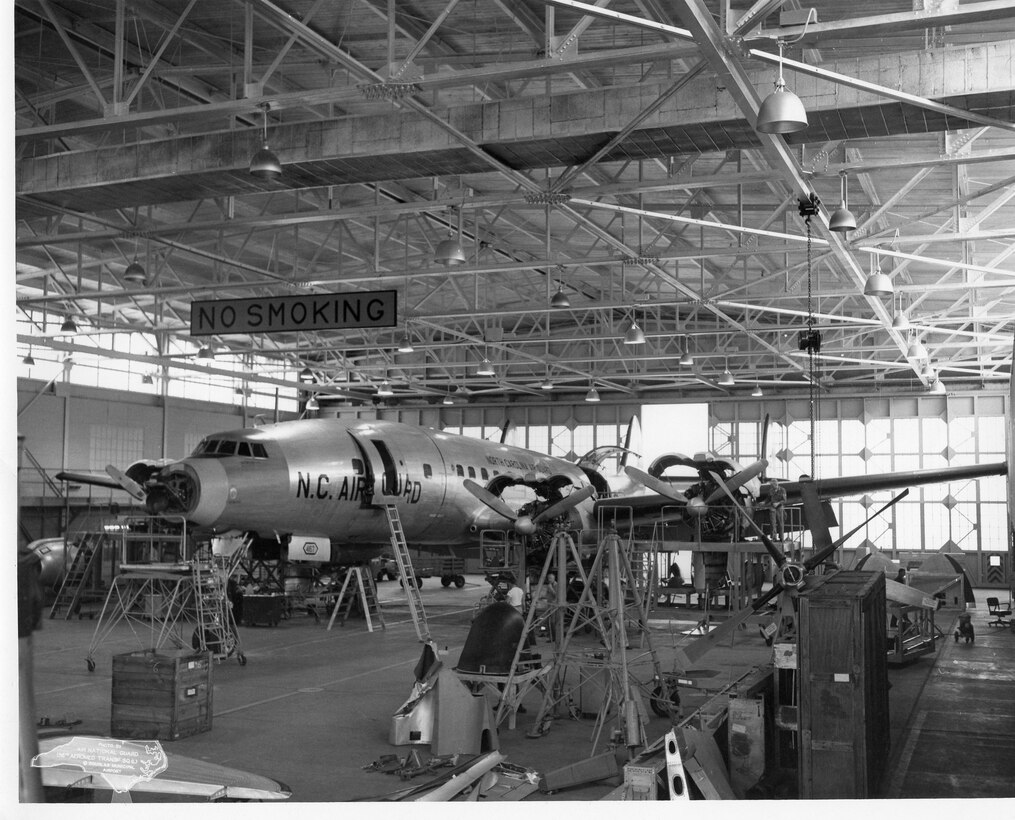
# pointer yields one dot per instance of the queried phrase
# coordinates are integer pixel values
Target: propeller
(135, 490)
(688, 655)
(525, 524)
(737, 480)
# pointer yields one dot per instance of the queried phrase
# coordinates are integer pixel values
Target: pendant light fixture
(687, 360)
(264, 164)
(559, 299)
(450, 252)
(306, 374)
(781, 112)
(937, 388)
(842, 220)
(69, 326)
(917, 351)
(900, 321)
(448, 399)
(206, 353)
(726, 379)
(312, 404)
(29, 360)
(878, 283)
(385, 389)
(405, 345)
(592, 395)
(634, 335)
(757, 391)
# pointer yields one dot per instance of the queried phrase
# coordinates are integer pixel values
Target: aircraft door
(394, 469)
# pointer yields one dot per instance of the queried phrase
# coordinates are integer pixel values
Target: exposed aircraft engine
(197, 489)
(539, 515)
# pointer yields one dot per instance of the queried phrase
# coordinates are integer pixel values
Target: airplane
(327, 480)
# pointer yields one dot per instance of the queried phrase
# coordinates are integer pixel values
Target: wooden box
(844, 727)
(161, 695)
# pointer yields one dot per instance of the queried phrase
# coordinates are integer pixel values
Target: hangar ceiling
(607, 150)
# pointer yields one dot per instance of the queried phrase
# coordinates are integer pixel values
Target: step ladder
(364, 585)
(76, 578)
(408, 575)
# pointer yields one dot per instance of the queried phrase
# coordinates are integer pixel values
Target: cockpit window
(227, 447)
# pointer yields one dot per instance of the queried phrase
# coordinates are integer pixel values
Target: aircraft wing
(184, 776)
(94, 479)
(857, 485)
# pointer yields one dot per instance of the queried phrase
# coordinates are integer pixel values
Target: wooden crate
(161, 695)
(844, 727)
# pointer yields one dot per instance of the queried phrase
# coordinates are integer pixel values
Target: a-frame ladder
(364, 586)
(408, 575)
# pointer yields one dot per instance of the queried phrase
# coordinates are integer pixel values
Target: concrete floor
(312, 707)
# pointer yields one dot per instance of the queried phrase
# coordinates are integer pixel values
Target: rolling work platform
(183, 604)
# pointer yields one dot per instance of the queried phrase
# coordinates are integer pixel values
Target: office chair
(994, 611)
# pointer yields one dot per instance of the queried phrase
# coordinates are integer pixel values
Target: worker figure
(676, 578)
(776, 509)
(515, 595)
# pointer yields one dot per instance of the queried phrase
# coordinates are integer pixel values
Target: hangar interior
(572, 212)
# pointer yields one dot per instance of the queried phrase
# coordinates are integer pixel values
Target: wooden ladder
(408, 575)
(364, 585)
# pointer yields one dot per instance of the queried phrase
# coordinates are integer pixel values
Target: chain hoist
(810, 339)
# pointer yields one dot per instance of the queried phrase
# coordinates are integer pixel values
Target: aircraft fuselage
(332, 477)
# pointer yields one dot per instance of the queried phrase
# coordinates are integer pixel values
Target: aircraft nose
(198, 489)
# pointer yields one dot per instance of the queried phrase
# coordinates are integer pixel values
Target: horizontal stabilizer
(908, 596)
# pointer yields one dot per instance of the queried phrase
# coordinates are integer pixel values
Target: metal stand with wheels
(183, 605)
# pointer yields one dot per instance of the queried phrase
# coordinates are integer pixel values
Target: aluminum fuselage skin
(331, 478)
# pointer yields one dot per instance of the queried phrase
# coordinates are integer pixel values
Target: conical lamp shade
(634, 335)
(878, 284)
(265, 165)
(312, 404)
(485, 368)
(842, 220)
(900, 321)
(559, 299)
(917, 351)
(687, 360)
(385, 389)
(449, 252)
(781, 112)
(726, 379)
(135, 274)
(592, 395)
(757, 391)
(69, 326)
(29, 360)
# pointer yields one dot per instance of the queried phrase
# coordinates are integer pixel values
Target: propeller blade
(688, 655)
(819, 557)
(776, 554)
(135, 490)
(657, 485)
(737, 480)
(493, 502)
(565, 504)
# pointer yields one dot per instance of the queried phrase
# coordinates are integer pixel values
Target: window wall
(860, 437)
(130, 361)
